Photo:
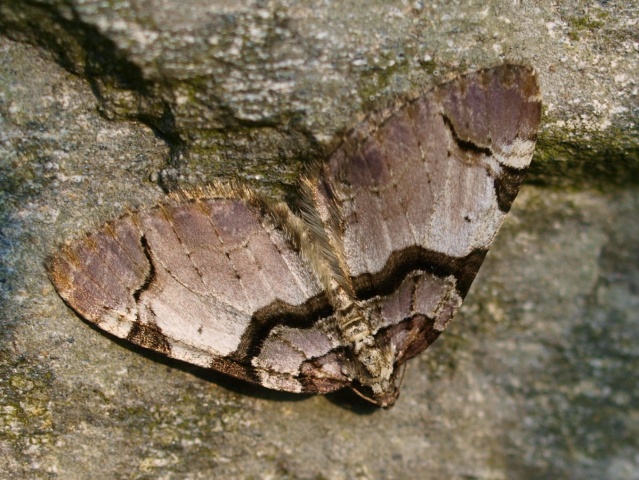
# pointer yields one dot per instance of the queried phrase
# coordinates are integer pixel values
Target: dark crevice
(84, 50)
(165, 128)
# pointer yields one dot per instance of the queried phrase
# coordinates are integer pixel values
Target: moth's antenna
(401, 377)
(376, 402)
(365, 397)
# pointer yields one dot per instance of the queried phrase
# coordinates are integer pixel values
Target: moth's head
(384, 397)
(379, 378)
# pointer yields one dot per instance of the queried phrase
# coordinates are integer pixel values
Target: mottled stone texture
(536, 378)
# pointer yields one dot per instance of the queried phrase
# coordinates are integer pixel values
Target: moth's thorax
(352, 320)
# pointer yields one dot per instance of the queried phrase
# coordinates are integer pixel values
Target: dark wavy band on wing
(404, 261)
(381, 283)
(279, 313)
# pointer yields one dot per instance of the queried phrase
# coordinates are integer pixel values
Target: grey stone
(105, 104)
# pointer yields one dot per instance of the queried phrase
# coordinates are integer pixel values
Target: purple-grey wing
(427, 189)
(209, 282)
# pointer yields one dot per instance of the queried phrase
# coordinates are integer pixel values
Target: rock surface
(103, 105)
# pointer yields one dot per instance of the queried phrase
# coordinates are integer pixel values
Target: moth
(342, 289)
